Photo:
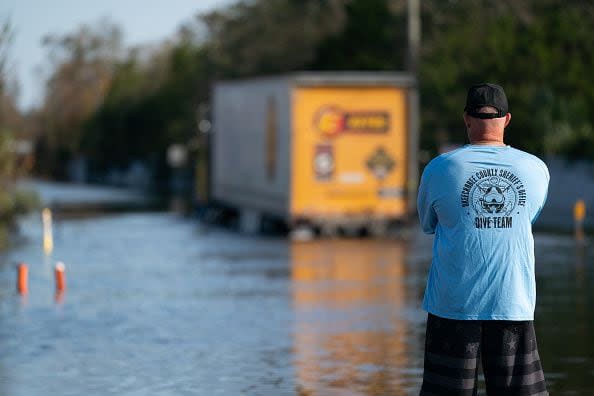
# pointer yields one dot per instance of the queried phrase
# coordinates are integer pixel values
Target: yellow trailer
(325, 150)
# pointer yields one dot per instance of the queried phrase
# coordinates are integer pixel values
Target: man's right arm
(427, 215)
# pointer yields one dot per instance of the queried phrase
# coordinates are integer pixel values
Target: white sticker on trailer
(391, 192)
(351, 177)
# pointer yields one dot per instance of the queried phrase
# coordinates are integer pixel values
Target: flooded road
(161, 305)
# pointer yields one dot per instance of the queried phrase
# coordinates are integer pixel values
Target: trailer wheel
(250, 221)
(302, 233)
(329, 230)
(351, 230)
(378, 229)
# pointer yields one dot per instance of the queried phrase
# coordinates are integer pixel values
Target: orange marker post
(60, 277)
(579, 214)
(22, 279)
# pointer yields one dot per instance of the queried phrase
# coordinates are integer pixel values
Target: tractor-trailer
(327, 150)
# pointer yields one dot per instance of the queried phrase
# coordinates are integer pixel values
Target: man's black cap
(486, 94)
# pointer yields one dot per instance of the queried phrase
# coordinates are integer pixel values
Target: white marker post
(48, 239)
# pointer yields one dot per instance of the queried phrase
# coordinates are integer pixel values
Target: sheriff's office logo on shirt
(493, 194)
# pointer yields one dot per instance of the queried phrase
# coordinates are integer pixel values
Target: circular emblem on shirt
(493, 196)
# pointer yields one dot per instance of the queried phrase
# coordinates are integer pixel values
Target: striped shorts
(506, 349)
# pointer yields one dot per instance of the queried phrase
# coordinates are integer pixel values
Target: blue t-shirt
(481, 201)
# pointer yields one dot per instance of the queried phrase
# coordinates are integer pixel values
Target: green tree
(268, 36)
(540, 51)
(82, 66)
(12, 202)
(373, 37)
(150, 105)
(152, 100)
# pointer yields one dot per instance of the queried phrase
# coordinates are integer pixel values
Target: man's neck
(488, 142)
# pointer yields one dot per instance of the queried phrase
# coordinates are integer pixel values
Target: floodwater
(160, 305)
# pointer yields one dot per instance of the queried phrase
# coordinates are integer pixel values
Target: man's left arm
(545, 190)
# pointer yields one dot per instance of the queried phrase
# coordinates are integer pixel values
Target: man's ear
(466, 120)
(507, 119)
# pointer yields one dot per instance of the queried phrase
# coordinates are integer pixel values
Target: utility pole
(414, 44)
(414, 35)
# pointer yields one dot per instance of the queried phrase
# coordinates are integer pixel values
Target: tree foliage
(373, 37)
(12, 201)
(118, 106)
(10, 118)
(82, 68)
(540, 51)
(154, 95)
(149, 106)
(266, 37)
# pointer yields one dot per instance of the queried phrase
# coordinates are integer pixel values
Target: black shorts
(507, 350)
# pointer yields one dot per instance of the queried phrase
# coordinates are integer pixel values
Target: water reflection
(564, 317)
(155, 304)
(351, 331)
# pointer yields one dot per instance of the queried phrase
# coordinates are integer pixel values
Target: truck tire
(250, 221)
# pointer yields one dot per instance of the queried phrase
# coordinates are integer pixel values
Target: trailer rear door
(349, 151)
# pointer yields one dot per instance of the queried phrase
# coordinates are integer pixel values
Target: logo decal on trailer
(332, 121)
(323, 162)
(380, 163)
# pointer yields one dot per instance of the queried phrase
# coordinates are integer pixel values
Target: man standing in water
(480, 202)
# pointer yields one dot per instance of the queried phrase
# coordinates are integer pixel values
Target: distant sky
(142, 21)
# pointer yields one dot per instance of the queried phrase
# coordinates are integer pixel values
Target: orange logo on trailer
(332, 121)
